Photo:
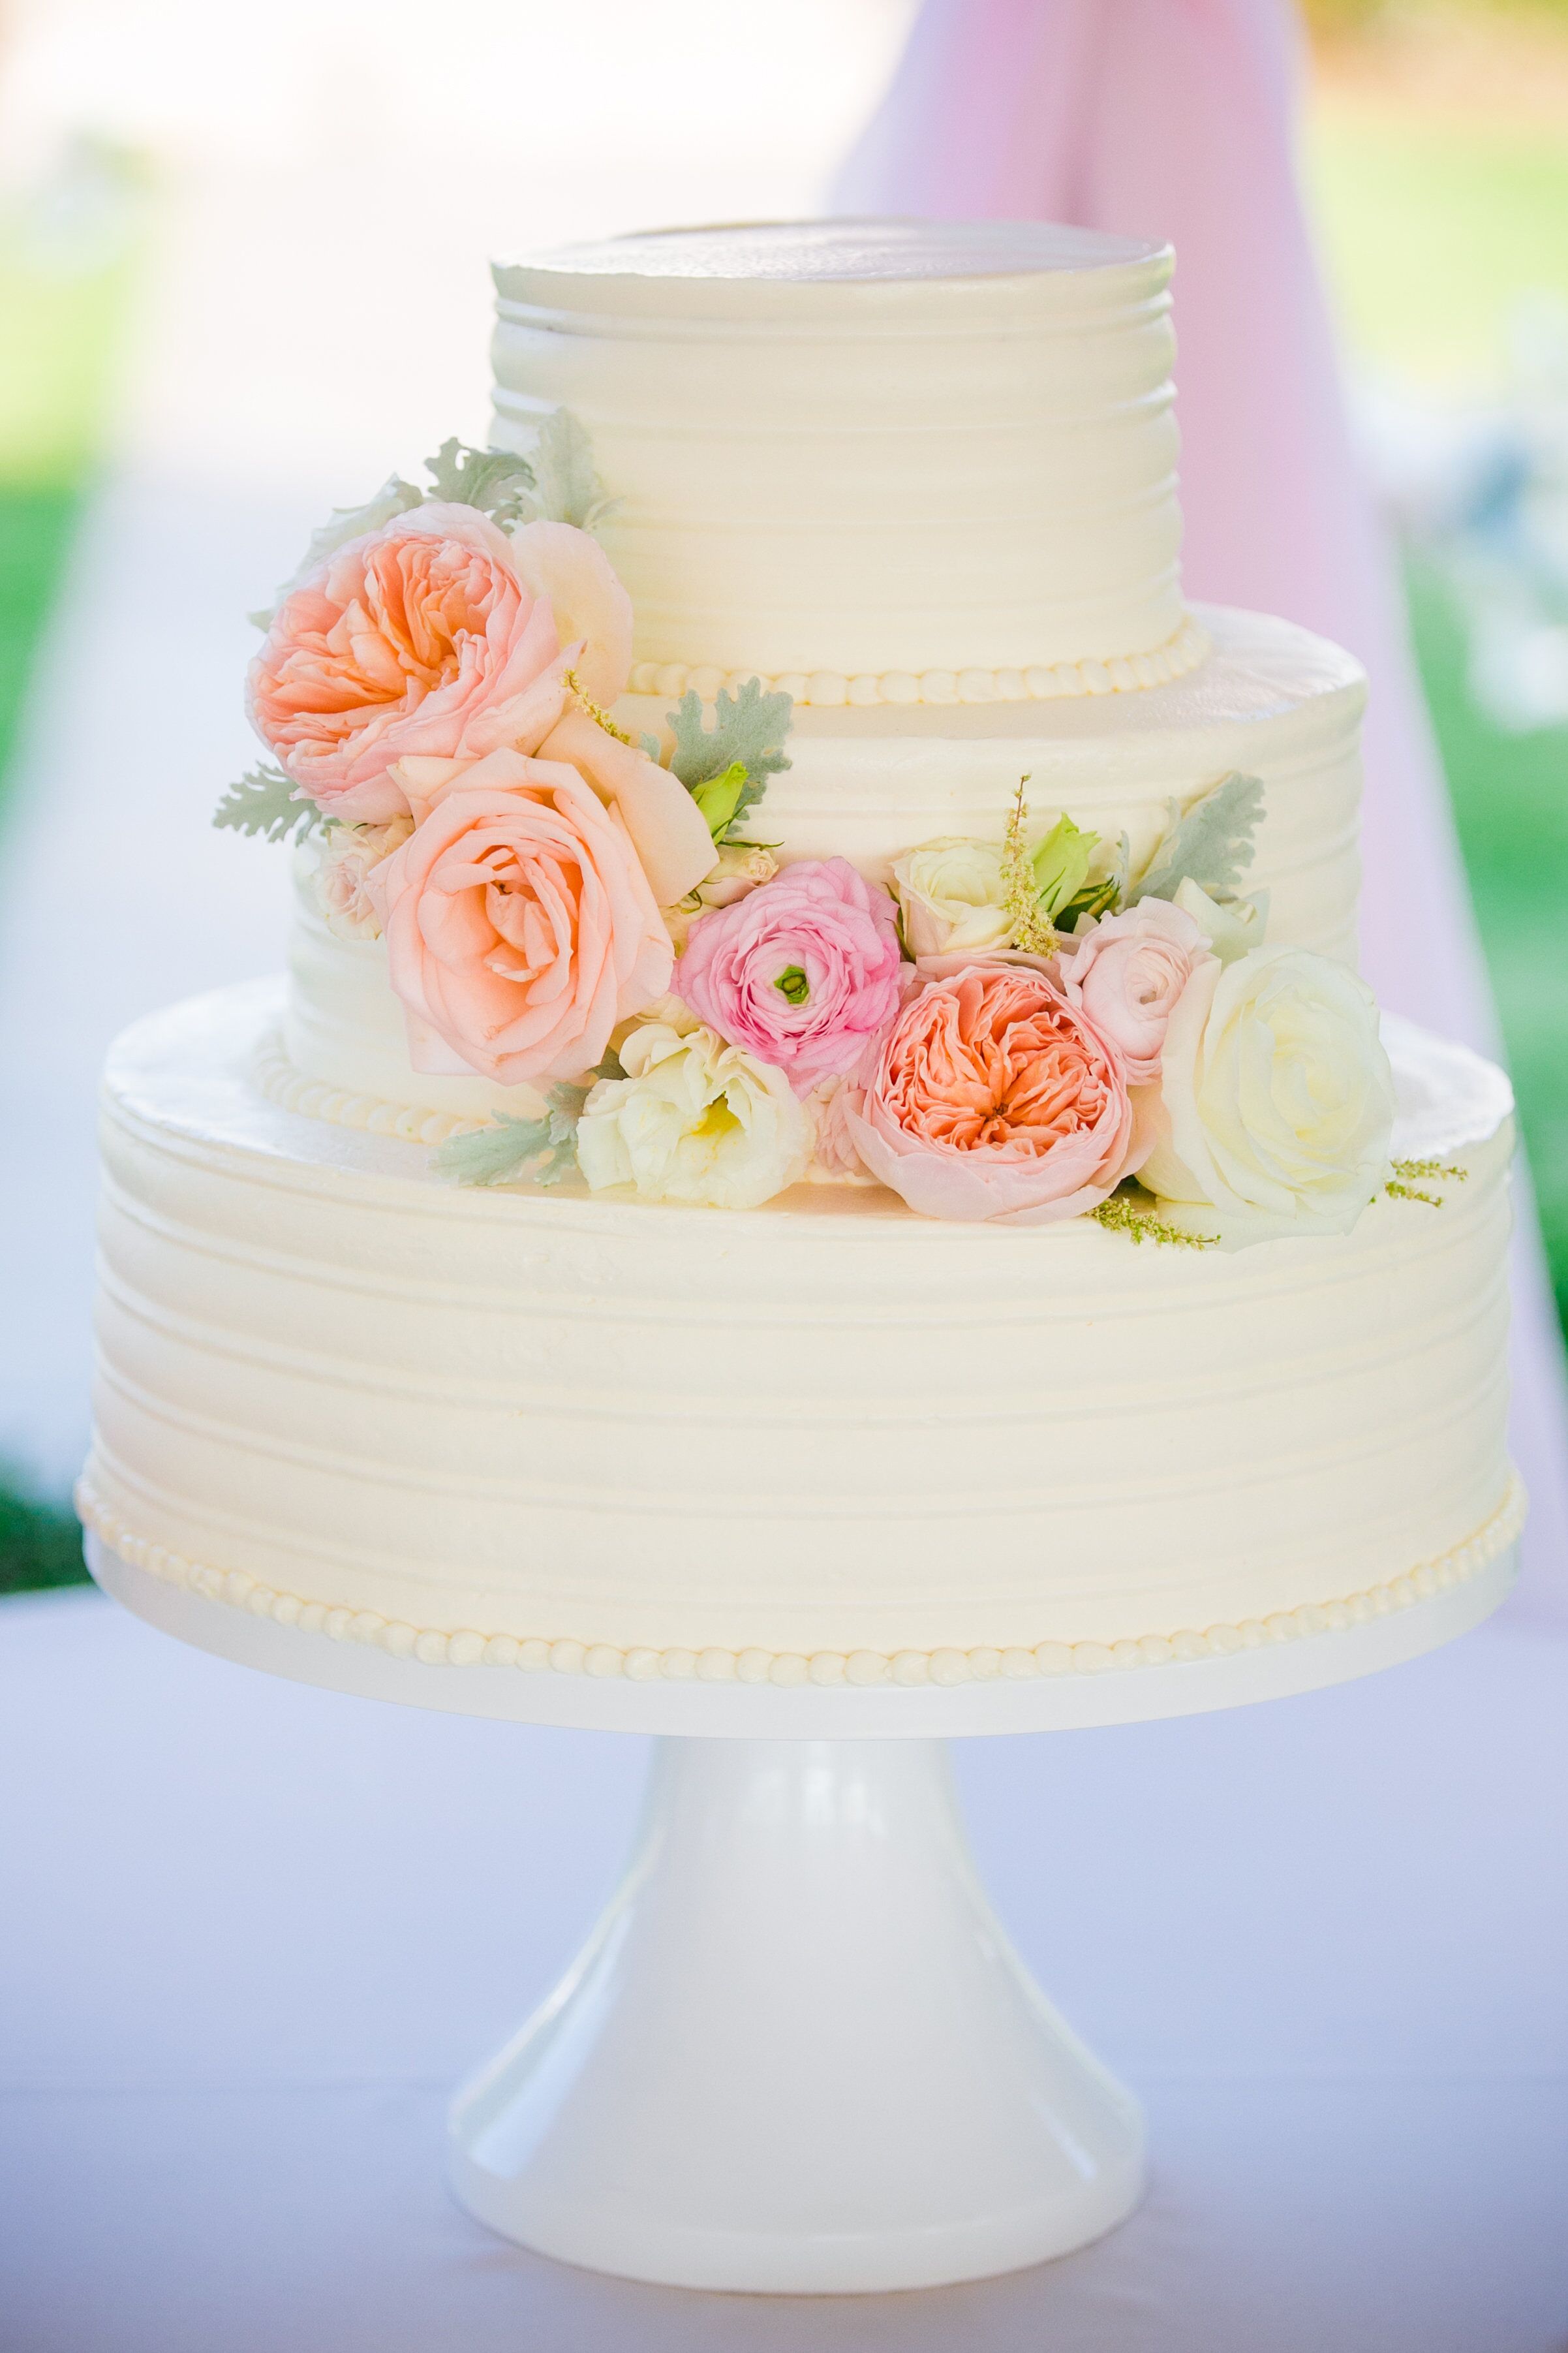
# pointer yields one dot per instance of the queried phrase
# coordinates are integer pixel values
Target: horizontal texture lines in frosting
(1120, 674)
(865, 479)
(465, 1647)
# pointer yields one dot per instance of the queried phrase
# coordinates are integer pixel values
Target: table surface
(258, 1931)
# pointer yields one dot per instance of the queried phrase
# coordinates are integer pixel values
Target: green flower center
(793, 983)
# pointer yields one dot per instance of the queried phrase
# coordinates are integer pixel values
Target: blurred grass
(1510, 802)
(1433, 230)
(67, 280)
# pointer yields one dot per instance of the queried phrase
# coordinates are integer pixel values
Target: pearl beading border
(824, 689)
(277, 1078)
(946, 1668)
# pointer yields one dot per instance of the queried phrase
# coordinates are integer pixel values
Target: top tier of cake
(874, 461)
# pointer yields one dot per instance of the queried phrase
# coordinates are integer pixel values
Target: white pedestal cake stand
(798, 2053)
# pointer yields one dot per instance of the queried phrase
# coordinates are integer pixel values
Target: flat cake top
(817, 252)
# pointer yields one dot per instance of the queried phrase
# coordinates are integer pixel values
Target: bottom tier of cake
(825, 1439)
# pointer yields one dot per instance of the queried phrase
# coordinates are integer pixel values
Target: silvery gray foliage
(748, 731)
(1211, 843)
(264, 802)
(567, 485)
(344, 523)
(494, 481)
(543, 1150)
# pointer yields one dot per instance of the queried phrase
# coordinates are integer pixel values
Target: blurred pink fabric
(1177, 119)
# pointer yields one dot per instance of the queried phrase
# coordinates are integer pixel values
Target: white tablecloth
(255, 1931)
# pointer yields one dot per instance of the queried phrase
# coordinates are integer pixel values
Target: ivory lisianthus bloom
(694, 1120)
(1128, 974)
(520, 926)
(801, 972)
(992, 1096)
(951, 894)
(429, 638)
(1275, 1104)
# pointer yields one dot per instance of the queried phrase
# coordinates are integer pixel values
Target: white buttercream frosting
(945, 1666)
(818, 1430)
(868, 450)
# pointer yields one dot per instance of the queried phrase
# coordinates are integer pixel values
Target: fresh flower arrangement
(1015, 1031)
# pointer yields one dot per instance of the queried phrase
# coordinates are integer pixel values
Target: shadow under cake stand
(798, 2054)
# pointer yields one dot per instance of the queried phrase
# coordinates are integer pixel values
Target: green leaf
(748, 732)
(568, 485)
(1101, 894)
(1210, 843)
(722, 798)
(1061, 865)
(494, 481)
(265, 802)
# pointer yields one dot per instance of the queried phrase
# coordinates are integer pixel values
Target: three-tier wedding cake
(821, 1125)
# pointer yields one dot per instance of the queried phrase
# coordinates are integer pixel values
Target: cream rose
(1275, 1104)
(351, 854)
(949, 896)
(695, 1121)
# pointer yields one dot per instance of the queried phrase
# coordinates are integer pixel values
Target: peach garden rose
(437, 637)
(518, 922)
(992, 1096)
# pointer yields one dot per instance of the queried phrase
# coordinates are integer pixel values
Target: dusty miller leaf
(568, 486)
(264, 803)
(748, 732)
(494, 481)
(543, 1150)
(1211, 844)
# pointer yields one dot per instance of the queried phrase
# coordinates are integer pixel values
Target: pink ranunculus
(993, 1096)
(432, 638)
(520, 926)
(1128, 973)
(801, 972)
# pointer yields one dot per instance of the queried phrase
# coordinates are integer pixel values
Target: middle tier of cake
(1271, 701)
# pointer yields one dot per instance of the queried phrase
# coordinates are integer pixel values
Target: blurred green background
(1436, 157)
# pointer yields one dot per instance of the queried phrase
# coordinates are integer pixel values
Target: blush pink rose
(993, 1096)
(520, 926)
(801, 972)
(429, 638)
(1129, 973)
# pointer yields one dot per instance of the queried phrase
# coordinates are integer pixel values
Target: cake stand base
(798, 2054)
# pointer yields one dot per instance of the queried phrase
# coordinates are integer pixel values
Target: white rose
(350, 852)
(1275, 1104)
(694, 1120)
(949, 895)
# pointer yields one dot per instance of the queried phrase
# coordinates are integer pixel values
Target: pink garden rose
(520, 926)
(434, 637)
(1127, 975)
(993, 1096)
(801, 972)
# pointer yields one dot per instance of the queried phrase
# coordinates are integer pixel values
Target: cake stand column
(798, 2052)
